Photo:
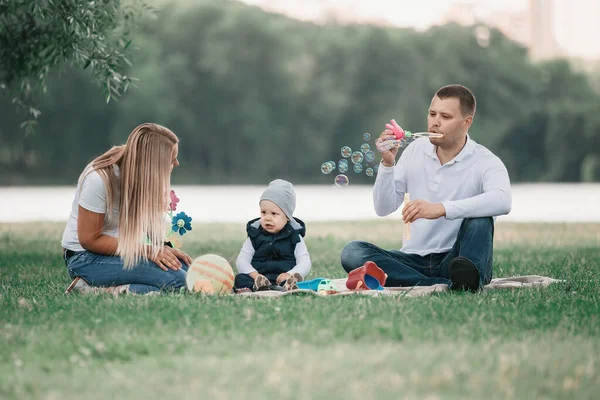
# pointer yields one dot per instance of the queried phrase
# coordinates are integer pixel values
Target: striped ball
(210, 274)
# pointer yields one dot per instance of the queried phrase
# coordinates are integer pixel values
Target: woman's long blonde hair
(142, 190)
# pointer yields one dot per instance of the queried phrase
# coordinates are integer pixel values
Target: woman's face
(174, 161)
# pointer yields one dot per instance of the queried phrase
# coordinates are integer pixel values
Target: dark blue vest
(274, 253)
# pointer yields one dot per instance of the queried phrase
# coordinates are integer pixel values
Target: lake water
(531, 202)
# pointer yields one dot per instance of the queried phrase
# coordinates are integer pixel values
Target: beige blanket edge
(340, 284)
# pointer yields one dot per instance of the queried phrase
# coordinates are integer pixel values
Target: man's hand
(388, 157)
(422, 209)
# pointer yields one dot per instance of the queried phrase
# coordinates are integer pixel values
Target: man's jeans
(474, 241)
(144, 277)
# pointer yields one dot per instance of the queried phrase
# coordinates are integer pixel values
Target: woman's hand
(182, 256)
(168, 258)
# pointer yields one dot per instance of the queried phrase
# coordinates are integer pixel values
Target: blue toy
(317, 284)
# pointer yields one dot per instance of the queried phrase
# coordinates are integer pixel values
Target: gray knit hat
(281, 193)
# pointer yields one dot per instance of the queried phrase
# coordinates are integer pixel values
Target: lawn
(524, 343)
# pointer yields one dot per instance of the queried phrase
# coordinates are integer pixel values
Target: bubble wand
(401, 137)
(406, 224)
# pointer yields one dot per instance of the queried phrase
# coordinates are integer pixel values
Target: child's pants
(245, 281)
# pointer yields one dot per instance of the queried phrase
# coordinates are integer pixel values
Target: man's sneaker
(464, 274)
(79, 285)
(261, 283)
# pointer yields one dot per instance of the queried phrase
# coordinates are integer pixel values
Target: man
(457, 187)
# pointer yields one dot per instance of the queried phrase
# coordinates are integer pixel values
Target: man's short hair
(465, 98)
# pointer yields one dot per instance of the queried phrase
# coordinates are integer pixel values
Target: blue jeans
(474, 241)
(101, 270)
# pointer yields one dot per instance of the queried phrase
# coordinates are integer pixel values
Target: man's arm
(390, 186)
(390, 182)
(495, 200)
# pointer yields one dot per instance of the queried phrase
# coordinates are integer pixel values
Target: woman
(114, 235)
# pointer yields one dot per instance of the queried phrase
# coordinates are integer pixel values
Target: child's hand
(282, 277)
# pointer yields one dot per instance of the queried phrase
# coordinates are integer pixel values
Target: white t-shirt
(91, 195)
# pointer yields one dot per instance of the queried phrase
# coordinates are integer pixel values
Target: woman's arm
(89, 231)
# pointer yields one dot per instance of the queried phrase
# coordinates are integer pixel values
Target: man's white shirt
(473, 184)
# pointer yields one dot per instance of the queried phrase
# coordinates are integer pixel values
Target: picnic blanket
(340, 284)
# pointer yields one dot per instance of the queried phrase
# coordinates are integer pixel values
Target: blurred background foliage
(254, 96)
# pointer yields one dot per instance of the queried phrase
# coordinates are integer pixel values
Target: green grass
(524, 343)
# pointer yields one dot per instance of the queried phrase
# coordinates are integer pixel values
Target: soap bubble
(357, 157)
(341, 181)
(369, 171)
(346, 151)
(326, 168)
(358, 168)
(367, 137)
(376, 168)
(343, 166)
(365, 147)
(370, 156)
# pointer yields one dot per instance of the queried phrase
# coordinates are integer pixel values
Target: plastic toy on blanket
(367, 277)
(319, 285)
(402, 137)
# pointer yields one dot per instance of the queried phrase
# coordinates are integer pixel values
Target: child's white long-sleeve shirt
(303, 262)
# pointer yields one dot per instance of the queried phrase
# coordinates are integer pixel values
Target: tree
(39, 36)
(254, 96)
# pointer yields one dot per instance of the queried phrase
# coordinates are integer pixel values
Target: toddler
(274, 251)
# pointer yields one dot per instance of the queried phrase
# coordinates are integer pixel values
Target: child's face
(272, 218)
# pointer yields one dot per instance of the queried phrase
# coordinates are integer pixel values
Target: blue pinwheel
(182, 223)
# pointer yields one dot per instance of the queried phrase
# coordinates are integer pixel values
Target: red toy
(367, 277)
